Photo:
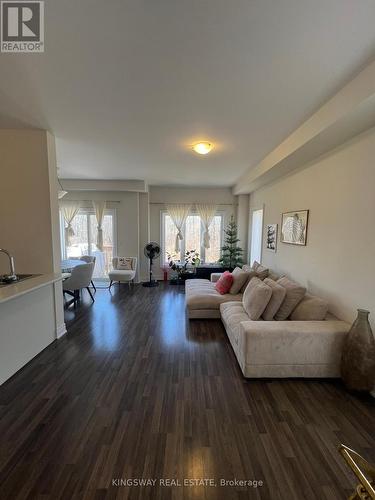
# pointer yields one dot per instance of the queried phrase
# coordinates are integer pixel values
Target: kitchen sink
(20, 277)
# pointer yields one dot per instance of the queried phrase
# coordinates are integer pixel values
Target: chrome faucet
(12, 276)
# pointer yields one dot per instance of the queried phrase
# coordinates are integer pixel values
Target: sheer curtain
(207, 214)
(69, 210)
(99, 207)
(178, 214)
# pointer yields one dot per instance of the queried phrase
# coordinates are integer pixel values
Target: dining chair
(88, 259)
(80, 278)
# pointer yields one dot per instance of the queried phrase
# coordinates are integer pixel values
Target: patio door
(84, 240)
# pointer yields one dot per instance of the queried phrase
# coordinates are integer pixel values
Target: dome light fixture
(202, 148)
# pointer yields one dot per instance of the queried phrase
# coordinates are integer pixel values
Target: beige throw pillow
(256, 298)
(294, 294)
(278, 295)
(262, 272)
(310, 309)
(124, 263)
(258, 269)
(239, 279)
(250, 274)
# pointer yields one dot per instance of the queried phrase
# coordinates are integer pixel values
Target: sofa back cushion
(310, 309)
(258, 269)
(225, 282)
(256, 298)
(294, 294)
(239, 279)
(277, 298)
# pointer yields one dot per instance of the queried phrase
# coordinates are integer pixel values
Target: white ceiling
(126, 86)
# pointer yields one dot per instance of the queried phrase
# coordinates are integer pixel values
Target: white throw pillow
(124, 263)
(239, 279)
(256, 298)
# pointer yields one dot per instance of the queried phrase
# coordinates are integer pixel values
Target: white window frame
(89, 211)
(256, 232)
(202, 250)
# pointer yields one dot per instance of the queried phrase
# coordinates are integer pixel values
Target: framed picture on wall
(271, 237)
(294, 227)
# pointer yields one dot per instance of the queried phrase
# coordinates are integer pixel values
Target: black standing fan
(151, 250)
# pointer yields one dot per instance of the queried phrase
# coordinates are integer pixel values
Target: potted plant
(183, 268)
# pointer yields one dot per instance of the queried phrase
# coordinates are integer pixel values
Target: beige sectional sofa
(276, 349)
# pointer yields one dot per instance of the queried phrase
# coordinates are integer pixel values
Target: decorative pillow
(124, 263)
(278, 295)
(250, 274)
(294, 294)
(256, 298)
(225, 282)
(239, 278)
(262, 272)
(310, 309)
(259, 270)
(275, 276)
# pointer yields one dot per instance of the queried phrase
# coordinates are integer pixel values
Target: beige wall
(25, 203)
(29, 226)
(338, 262)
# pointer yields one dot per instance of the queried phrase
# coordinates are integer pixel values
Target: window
(193, 238)
(84, 240)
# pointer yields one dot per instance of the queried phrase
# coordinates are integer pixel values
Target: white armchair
(125, 275)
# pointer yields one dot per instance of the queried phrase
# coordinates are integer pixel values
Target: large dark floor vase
(358, 357)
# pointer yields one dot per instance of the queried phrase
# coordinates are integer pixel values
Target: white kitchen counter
(10, 292)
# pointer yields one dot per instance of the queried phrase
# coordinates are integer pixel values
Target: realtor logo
(22, 26)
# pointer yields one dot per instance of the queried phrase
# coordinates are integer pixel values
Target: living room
(187, 249)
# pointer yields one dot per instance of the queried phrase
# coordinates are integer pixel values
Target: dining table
(67, 265)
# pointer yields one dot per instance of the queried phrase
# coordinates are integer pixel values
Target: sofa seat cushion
(310, 308)
(232, 314)
(201, 294)
(121, 275)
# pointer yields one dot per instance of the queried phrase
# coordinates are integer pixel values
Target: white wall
(338, 262)
(159, 196)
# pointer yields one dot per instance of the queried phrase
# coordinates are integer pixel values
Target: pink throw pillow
(225, 283)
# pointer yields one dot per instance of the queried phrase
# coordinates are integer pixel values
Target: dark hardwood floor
(134, 391)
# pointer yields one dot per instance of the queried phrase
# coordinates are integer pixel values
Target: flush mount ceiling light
(202, 148)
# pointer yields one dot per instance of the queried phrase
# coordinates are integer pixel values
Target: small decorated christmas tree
(231, 254)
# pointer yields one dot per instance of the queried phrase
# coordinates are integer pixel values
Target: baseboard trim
(61, 330)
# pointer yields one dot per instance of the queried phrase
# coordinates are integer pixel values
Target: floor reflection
(173, 320)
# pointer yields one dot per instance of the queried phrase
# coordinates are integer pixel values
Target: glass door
(84, 240)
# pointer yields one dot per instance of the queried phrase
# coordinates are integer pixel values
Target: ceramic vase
(358, 357)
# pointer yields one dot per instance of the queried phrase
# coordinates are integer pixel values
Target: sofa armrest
(279, 342)
(215, 277)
